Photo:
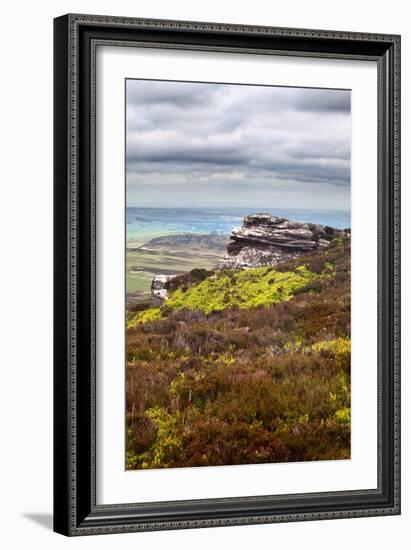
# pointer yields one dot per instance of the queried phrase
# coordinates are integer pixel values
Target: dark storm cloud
(155, 93)
(331, 101)
(214, 137)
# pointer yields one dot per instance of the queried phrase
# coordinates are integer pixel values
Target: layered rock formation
(262, 240)
(265, 240)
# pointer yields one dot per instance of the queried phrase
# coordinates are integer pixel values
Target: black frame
(75, 40)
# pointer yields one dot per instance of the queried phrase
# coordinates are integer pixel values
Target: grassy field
(244, 367)
(168, 255)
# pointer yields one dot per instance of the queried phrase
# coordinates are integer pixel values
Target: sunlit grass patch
(245, 289)
(151, 314)
(336, 346)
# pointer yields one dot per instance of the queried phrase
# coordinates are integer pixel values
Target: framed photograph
(227, 278)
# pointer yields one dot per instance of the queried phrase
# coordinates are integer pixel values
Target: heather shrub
(244, 367)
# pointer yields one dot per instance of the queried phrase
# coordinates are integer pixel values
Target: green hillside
(244, 367)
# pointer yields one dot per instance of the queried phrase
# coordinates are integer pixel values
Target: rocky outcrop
(159, 288)
(265, 240)
(262, 240)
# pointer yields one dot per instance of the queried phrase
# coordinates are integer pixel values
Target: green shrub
(151, 314)
(246, 289)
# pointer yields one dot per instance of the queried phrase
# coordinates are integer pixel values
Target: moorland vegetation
(243, 366)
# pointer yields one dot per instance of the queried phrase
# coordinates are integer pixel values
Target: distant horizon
(209, 219)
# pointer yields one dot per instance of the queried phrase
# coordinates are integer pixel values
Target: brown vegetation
(240, 386)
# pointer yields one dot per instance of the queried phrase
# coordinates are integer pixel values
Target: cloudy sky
(222, 145)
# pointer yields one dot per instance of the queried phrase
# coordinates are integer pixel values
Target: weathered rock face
(159, 289)
(265, 240)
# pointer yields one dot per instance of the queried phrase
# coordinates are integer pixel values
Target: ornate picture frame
(76, 40)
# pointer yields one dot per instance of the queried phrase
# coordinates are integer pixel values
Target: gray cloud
(237, 142)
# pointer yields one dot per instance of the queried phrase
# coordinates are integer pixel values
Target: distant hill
(180, 242)
(169, 255)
